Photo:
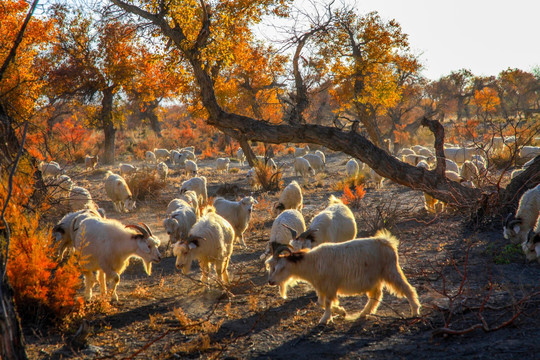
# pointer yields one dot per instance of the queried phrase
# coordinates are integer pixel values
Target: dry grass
(145, 184)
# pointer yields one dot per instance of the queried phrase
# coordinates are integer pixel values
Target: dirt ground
(467, 278)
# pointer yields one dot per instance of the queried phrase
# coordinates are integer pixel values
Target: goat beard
(147, 267)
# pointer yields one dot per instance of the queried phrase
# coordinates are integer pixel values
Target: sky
(484, 36)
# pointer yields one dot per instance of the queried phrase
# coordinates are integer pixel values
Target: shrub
(145, 184)
(353, 198)
(267, 178)
(44, 288)
(351, 182)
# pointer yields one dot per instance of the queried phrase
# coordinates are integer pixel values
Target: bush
(44, 287)
(267, 178)
(145, 184)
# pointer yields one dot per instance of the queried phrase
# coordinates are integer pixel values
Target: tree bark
(108, 125)
(12, 344)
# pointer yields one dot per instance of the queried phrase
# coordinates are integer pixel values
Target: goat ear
(59, 229)
(143, 245)
(193, 244)
(516, 229)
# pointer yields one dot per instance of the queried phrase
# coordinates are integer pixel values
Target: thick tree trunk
(11, 337)
(108, 125)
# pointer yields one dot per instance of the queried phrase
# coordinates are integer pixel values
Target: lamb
(106, 246)
(290, 198)
(118, 191)
(365, 265)
(315, 161)
(237, 213)
(334, 224)
(197, 184)
(80, 198)
(222, 164)
(127, 169)
(179, 222)
(150, 157)
(190, 167)
(516, 227)
(320, 154)
(240, 156)
(65, 230)
(529, 152)
(298, 151)
(302, 167)
(353, 168)
(190, 197)
(162, 170)
(210, 241)
(50, 169)
(91, 162)
(162, 154)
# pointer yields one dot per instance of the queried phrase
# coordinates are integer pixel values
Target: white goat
(353, 267)
(529, 152)
(197, 184)
(162, 170)
(315, 161)
(320, 154)
(190, 197)
(91, 162)
(127, 169)
(302, 167)
(222, 164)
(51, 168)
(298, 151)
(80, 198)
(191, 167)
(252, 179)
(517, 227)
(353, 168)
(162, 154)
(211, 242)
(179, 222)
(237, 213)
(452, 166)
(240, 156)
(118, 191)
(150, 157)
(469, 172)
(461, 154)
(378, 179)
(335, 224)
(106, 246)
(531, 247)
(65, 230)
(280, 233)
(290, 198)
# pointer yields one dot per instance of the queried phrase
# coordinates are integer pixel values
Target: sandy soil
(463, 275)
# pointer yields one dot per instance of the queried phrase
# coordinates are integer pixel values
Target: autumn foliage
(45, 289)
(353, 198)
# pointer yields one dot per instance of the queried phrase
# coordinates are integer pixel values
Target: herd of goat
(206, 233)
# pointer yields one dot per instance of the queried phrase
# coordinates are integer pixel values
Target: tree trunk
(11, 337)
(108, 125)
(248, 152)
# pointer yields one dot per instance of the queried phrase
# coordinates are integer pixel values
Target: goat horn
(508, 218)
(280, 249)
(147, 229)
(137, 227)
(293, 232)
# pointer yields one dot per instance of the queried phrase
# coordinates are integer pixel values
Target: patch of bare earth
(475, 305)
